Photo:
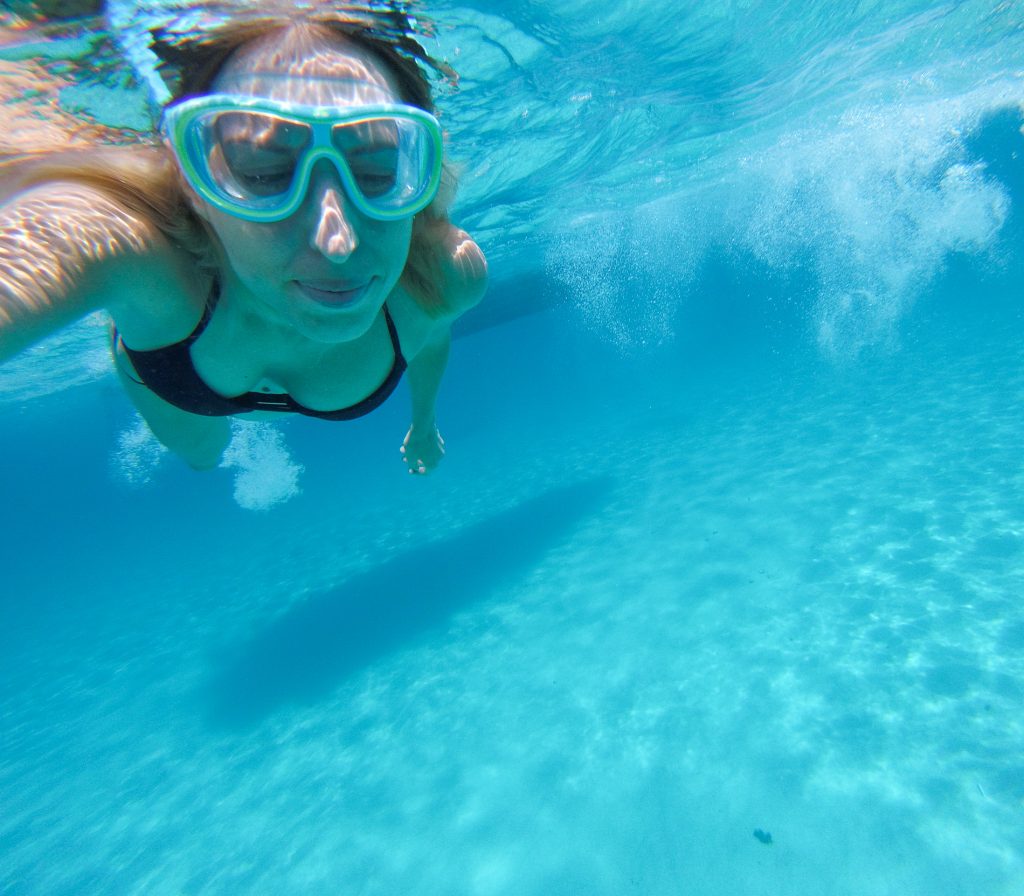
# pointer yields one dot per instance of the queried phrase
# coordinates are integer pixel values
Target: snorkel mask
(388, 157)
(253, 157)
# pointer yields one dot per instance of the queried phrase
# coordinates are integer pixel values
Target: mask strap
(126, 23)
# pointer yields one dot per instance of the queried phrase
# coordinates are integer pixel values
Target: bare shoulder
(464, 269)
(68, 248)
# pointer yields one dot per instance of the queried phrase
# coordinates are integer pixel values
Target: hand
(422, 449)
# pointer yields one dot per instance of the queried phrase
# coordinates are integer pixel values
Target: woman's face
(326, 270)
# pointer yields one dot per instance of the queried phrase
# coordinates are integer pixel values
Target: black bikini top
(170, 373)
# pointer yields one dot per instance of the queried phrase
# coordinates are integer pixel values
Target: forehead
(300, 66)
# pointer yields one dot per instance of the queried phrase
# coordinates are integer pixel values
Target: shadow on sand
(304, 654)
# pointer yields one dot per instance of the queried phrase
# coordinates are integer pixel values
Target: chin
(336, 324)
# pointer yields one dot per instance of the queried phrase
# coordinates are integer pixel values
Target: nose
(333, 233)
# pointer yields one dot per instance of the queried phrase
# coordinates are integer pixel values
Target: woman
(283, 249)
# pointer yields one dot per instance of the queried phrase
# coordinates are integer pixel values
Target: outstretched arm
(423, 447)
(465, 275)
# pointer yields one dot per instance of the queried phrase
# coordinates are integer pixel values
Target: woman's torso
(233, 356)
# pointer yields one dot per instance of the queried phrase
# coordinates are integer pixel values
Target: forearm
(425, 372)
(464, 282)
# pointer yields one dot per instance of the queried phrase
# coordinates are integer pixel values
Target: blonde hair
(146, 178)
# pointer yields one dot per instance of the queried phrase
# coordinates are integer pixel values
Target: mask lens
(249, 157)
(391, 160)
(250, 161)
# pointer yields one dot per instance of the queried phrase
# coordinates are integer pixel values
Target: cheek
(256, 245)
(396, 237)
(395, 246)
(267, 247)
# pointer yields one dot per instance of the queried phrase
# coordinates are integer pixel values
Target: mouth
(331, 293)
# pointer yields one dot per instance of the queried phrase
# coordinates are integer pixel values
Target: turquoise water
(718, 589)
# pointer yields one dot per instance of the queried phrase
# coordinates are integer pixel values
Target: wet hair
(191, 61)
(146, 179)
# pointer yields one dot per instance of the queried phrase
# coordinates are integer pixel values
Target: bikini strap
(393, 333)
(211, 303)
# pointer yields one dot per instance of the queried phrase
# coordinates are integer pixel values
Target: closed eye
(261, 170)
